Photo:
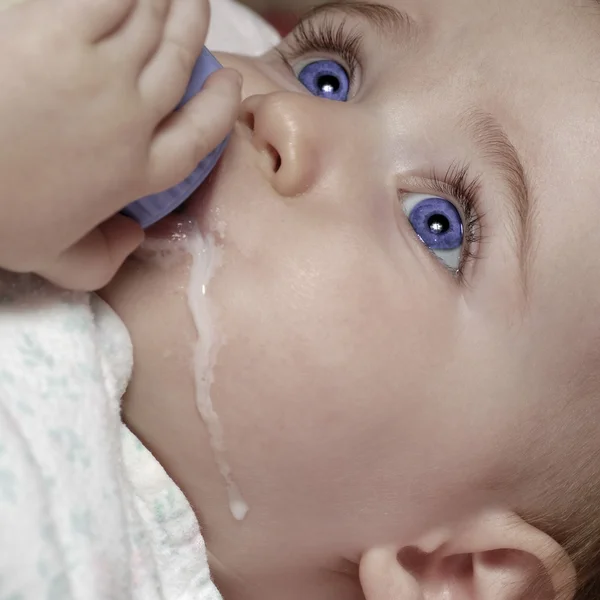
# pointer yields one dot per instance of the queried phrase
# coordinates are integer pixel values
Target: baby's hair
(586, 556)
(576, 523)
(580, 537)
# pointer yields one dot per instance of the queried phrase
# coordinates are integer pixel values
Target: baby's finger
(191, 133)
(188, 25)
(165, 78)
(93, 20)
(91, 263)
(138, 40)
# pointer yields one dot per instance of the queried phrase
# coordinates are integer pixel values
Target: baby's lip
(173, 226)
(166, 240)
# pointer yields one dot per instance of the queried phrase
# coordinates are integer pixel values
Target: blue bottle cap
(150, 209)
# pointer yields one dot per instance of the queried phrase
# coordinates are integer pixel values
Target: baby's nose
(283, 125)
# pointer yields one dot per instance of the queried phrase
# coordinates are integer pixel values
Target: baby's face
(409, 275)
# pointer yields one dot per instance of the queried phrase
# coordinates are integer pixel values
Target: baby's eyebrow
(386, 20)
(496, 148)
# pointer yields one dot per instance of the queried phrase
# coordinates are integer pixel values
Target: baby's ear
(492, 557)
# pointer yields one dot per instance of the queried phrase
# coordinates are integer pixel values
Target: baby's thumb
(93, 261)
(191, 133)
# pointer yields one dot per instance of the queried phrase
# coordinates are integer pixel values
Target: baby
(408, 297)
(405, 306)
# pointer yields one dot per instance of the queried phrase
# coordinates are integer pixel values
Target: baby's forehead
(489, 20)
(549, 47)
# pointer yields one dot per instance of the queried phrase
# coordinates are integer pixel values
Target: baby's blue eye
(326, 79)
(439, 226)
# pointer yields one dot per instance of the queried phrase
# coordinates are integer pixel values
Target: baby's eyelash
(457, 185)
(313, 36)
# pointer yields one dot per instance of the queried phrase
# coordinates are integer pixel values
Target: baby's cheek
(322, 332)
(309, 406)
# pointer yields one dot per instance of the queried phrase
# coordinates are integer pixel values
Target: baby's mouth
(174, 227)
(186, 217)
(195, 212)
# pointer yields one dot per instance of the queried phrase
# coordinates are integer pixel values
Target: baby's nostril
(247, 119)
(276, 158)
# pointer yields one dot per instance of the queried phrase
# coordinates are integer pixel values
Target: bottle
(150, 209)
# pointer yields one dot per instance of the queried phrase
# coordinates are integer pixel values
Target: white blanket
(86, 512)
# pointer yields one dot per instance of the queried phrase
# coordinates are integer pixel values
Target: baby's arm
(88, 88)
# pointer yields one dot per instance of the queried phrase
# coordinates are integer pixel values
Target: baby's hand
(88, 88)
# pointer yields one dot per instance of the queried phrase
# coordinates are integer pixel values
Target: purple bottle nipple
(150, 209)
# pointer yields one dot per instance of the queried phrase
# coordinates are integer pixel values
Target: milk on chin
(187, 241)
